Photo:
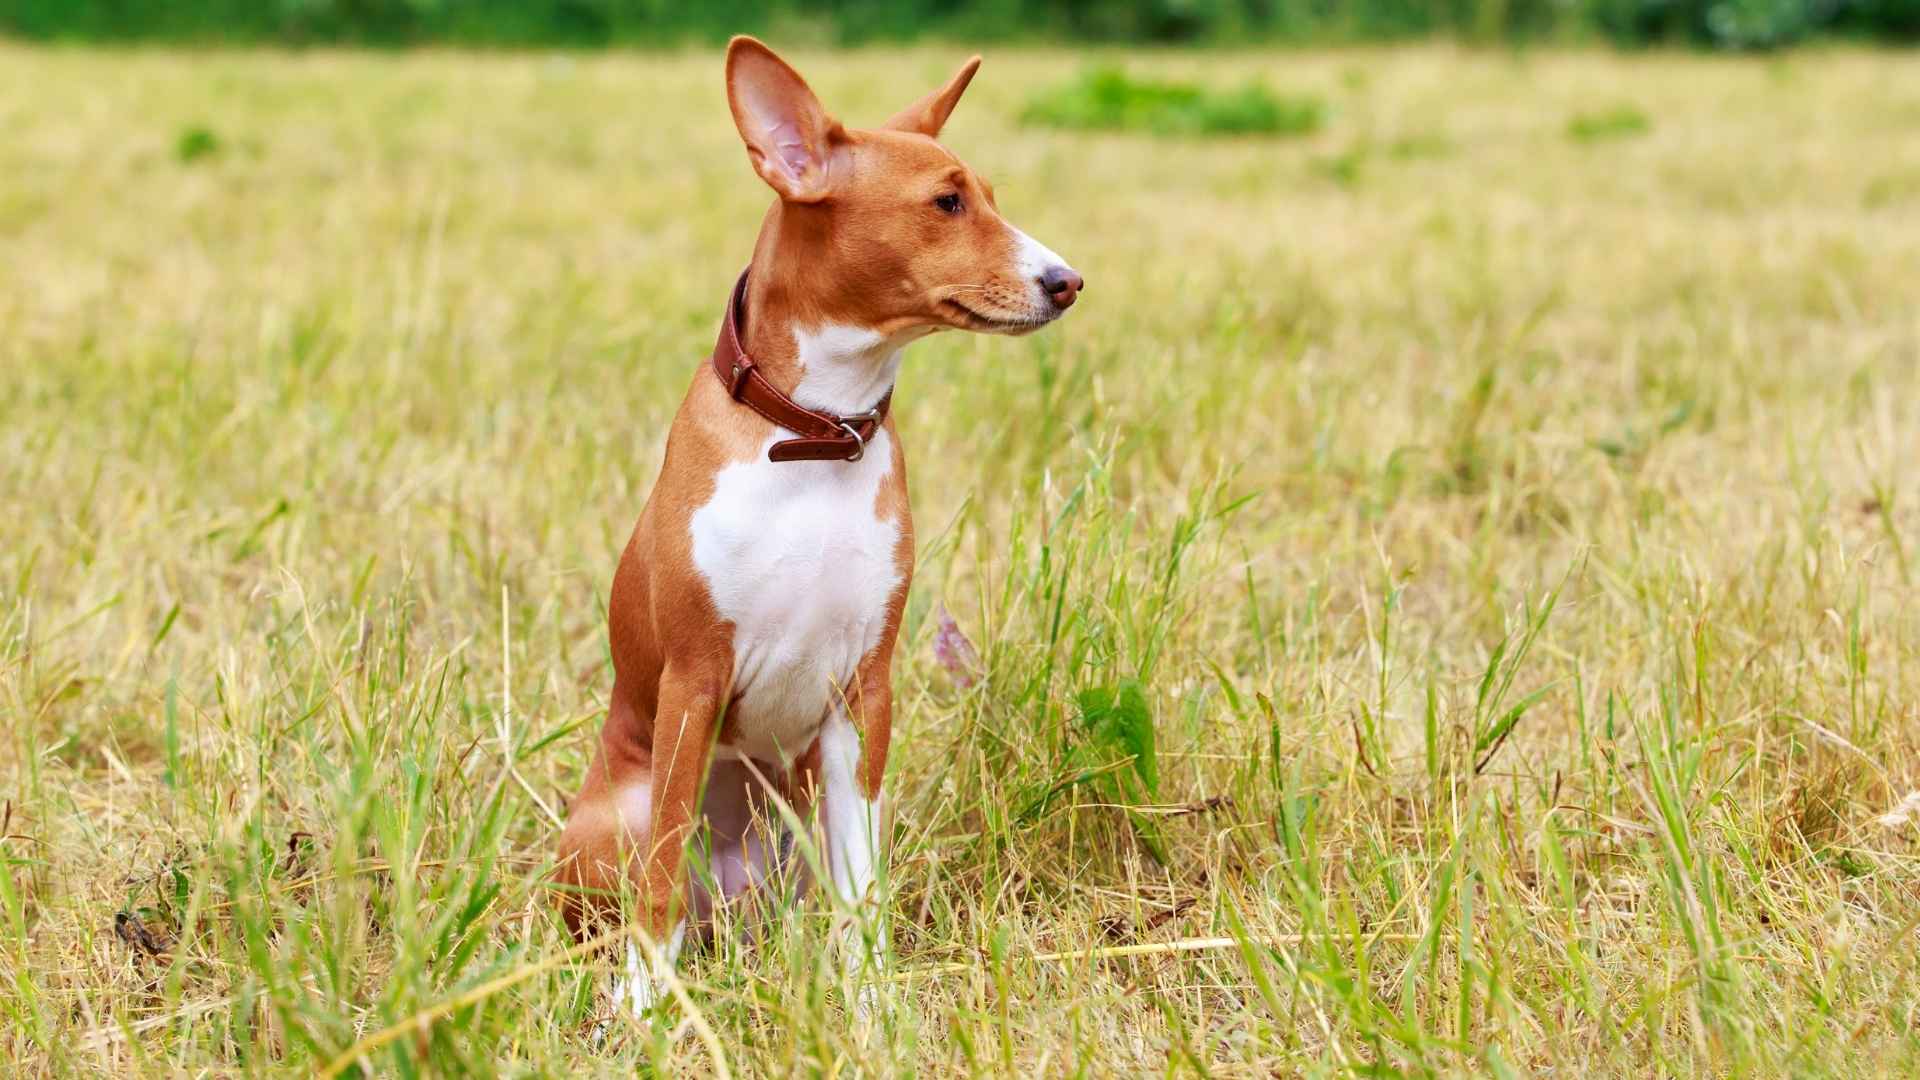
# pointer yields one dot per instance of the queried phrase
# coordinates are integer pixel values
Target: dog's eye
(948, 204)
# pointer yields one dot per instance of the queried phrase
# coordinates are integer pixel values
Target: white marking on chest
(848, 369)
(795, 557)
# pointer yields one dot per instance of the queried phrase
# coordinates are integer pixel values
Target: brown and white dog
(753, 616)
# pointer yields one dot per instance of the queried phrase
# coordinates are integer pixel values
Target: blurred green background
(1742, 24)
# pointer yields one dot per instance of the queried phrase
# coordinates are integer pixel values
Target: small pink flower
(954, 652)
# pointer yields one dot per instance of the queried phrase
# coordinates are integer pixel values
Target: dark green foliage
(1752, 24)
(1730, 23)
(1109, 99)
(1891, 19)
(383, 22)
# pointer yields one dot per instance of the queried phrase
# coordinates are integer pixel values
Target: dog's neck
(817, 357)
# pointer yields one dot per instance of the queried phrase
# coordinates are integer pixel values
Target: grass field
(1504, 497)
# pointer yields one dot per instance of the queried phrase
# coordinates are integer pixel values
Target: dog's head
(894, 227)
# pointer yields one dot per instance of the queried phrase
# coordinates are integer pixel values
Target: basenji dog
(753, 615)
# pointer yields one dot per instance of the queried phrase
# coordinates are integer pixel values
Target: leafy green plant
(1119, 726)
(1111, 100)
(1114, 755)
(195, 143)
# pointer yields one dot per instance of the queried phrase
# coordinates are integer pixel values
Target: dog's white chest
(796, 558)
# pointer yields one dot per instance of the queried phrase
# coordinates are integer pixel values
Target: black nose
(1063, 285)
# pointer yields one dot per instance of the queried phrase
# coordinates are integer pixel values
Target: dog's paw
(638, 988)
(635, 999)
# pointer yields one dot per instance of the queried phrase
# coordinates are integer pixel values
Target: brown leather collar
(823, 436)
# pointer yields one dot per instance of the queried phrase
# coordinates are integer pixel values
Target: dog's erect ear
(790, 138)
(928, 115)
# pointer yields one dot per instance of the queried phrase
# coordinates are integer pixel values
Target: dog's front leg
(853, 764)
(682, 737)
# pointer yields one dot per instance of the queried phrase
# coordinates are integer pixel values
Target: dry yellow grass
(317, 451)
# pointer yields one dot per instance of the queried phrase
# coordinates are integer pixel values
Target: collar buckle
(822, 435)
(859, 444)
